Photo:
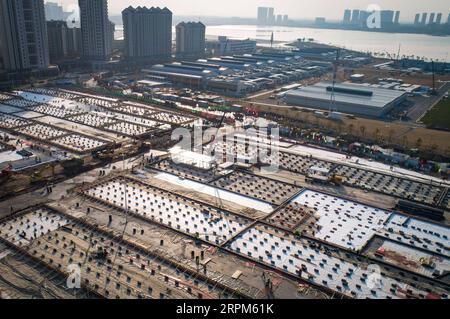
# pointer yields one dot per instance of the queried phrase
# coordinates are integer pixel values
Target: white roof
(319, 169)
(379, 97)
(180, 155)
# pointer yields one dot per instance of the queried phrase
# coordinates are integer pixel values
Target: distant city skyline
(307, 9)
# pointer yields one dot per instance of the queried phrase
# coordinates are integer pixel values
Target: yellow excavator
(337, 179)
(427, 262)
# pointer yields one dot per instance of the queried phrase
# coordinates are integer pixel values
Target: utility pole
(398, 53)
(433, 92)
(336, 65)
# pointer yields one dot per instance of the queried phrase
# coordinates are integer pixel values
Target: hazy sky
(332, 9)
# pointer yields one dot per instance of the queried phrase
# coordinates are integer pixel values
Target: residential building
(74, 46)
(263, 13)
(439, 18)
(432, 15)
(417, 19)
(271, 16)
(347, 16)
(397, 17)
(95, 29)
(57, 40)
(355, 17)
(424, 18)
(190, 38)
(387, 18)
(147, 33)
(23, 35)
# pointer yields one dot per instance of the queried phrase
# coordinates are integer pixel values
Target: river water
(418, 45)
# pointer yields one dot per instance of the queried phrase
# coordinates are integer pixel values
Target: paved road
(40, 196)
(423, 104)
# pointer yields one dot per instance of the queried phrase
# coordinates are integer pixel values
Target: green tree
(362, 128)
(419, 142)
(351, 127)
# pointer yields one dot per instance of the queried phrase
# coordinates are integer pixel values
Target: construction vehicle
(268, 285)
(100, 254)
(324, 178)
(6, 171)
(113, 153)
(427, 262)
(420, 210)
(106, 154)
(72, 166)
(337, 180)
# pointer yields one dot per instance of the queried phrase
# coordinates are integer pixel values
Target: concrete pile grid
(19, 231)
(126, 119)
(142, 111)
(11, 122)
(152, 113)
(183, 171)
(223, 152)
(446, 200)
(271, 191)
(98, 102)
(143, 219)
(99, 120)
(55, 111)
(300, 164)
(80, 143)
(129, 129)
(391, 185)
(417, 233)
(132, 119)
(92, 119)
(21, 277)
(171, 210)
(41, 131)
(112, 267)
(19, 102)
(24, 228)
(217, 263)
(342, 222)
(54, 93)
(292, 216)
(171, 118)
(318, 264)
(351, 225)
(355, 176)
(4, 97)
(61, 138)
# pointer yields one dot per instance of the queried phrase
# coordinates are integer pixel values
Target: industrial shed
(348, 98)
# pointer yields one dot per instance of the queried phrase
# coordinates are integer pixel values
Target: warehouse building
(348, 98)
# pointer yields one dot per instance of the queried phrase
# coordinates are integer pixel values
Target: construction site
(96, 202)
